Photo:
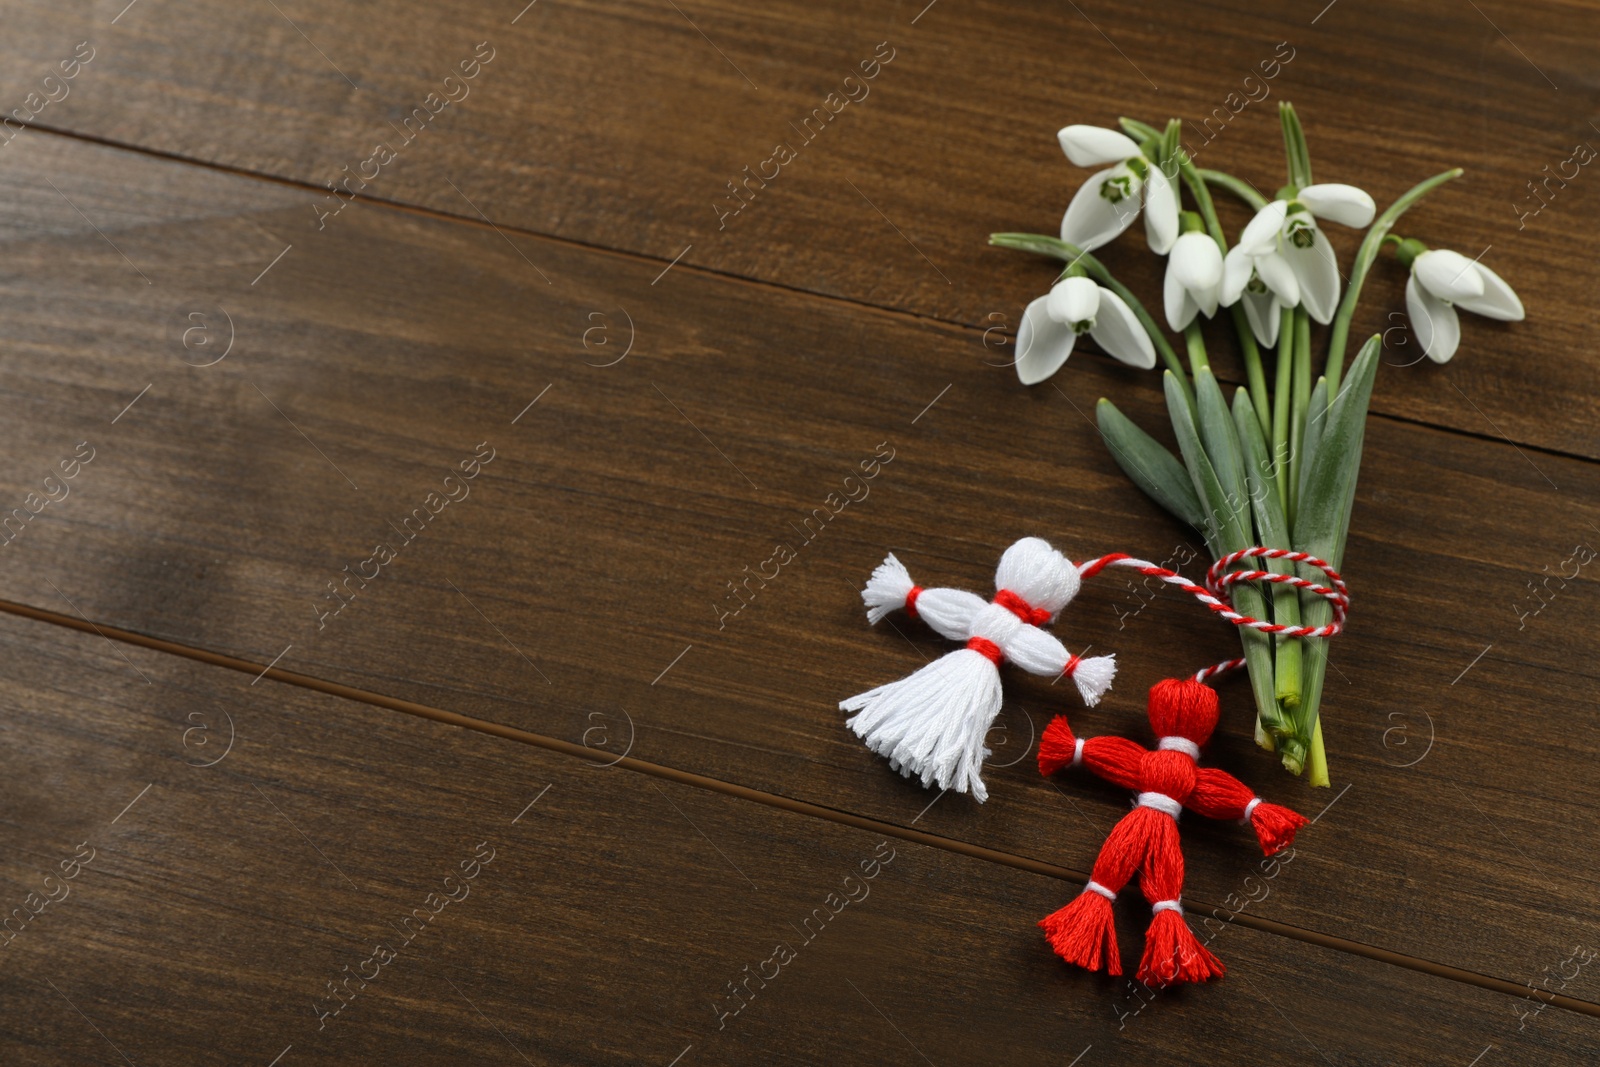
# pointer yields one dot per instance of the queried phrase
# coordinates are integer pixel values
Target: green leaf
(1259, 474)
(1222, 445)
(1330, 480)
(1150, 466)
(1219, 525)
(1316, 420)
(1323, 522)
(1224, 533)
(1268, 506)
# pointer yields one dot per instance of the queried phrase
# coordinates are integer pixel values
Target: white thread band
(1077, 752)
(1161, 802)
(1250, 808)
(1179, 744)
(1096, 887)
(1175, 904)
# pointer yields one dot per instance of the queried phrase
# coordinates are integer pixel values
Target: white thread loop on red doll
(1161, 802)
(1175, 904)
(1179, 744)
(1096, 887)
(1250, 809)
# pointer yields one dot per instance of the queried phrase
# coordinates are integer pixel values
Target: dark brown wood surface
(621, 124)
(656, 428)
(278, 836)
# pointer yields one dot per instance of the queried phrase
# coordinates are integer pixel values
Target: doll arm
(947, 611)
(1116, 759)
(1219, 795)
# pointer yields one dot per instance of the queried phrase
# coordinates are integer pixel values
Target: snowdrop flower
(1286, 251)
(1194, 279)
(1245, 277)
(1052, 323)
(1442, 281)
(1110, 200)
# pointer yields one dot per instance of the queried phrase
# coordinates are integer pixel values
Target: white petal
(1092, 220)
(1263, 311)
(1118, 331)
(1160, 212)
(1178, 304)
(1208, 298)
(1236, 270)
(1435, 323)
(1093, 146)
(1344, 204)
(1448, 275)
(1197, 261)
(1317, 270)
(1043, 344)
(1498, 300)
(1073, 300)
(1261, 235)
(1278, 276)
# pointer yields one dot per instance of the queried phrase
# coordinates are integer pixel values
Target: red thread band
(1021, 608)
(986, 648)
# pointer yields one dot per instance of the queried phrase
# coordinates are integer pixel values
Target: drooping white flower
(1442, 281)
(1111, 199)
(1052, 323)
(1194, 279)
(1266, 284)
(1290, 255)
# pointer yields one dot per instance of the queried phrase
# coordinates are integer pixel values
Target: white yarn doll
(932, 724)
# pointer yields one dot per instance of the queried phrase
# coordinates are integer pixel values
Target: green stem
(1254, 375)
(1289, 430)
(1196, 345)
(1302, 403)
(1139, 131)
(1071, 253)
(1237, 186)
(1366, 255)
(1281, 406)
(1297, 155)
(1317, 764)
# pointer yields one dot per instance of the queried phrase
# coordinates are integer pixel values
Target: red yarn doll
(1183, 714)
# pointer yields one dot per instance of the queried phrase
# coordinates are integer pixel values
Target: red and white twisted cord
(1215, 593)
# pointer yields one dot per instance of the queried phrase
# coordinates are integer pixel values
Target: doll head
(1037, 573)
(1183, 707)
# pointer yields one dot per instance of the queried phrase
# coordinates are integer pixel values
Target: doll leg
(1172, 953)
(1083, 932)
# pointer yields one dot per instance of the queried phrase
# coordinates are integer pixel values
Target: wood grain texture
(621, 124)
(573, 592)
(245, 843)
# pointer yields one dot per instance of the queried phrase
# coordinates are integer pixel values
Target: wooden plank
(622, 124)
(239, 847)
(574, 592)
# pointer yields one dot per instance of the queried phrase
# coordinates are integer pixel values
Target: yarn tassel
(1172, 954)
(887, 589)
(932, 724)
(1057, 746)
(1083, 933)
(1092, 676)
(1275, 826)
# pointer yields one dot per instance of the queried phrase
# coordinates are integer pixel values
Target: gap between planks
(781, 803)
(709, 272)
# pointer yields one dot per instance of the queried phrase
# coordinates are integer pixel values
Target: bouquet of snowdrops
(1278, 466)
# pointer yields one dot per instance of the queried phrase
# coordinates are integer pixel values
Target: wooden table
(545, 789)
